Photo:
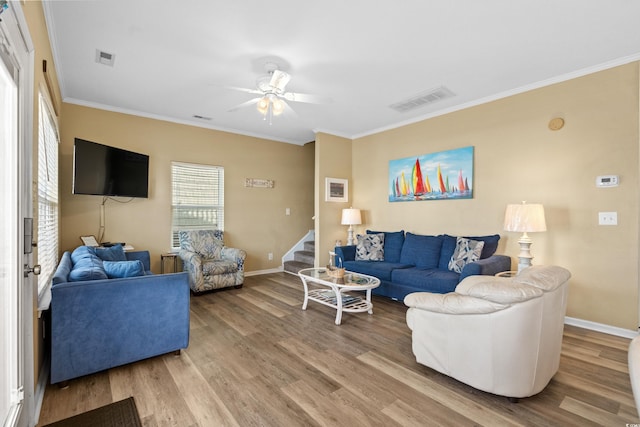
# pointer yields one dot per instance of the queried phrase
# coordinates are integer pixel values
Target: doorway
(16, 291)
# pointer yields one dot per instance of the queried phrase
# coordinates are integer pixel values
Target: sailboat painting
(437, 176)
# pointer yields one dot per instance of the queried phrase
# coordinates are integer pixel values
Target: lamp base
(524, 257)
(350, 239)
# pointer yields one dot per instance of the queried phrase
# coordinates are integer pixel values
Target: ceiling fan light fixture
(263, 105)
(278, 106)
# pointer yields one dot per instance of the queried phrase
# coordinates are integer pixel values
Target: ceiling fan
(272, 99)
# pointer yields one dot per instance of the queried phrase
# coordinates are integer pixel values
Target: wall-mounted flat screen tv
(108, 171)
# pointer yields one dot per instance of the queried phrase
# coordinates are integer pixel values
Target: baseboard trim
(43, 380)
(260, 272)
(600, 327)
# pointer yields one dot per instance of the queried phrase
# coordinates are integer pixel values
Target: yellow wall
(518, 158)
(255, 218)
(333, 160)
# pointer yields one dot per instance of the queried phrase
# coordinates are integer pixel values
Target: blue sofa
(106, 312)
(419, 263)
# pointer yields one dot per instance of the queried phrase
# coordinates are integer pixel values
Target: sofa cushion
(433, 280)
(497, 289)
(547, 278)
(114, 253)
(88, 268)
(421, 251)
(393, 241)
(81, 252)
(380, 269)
(370, 247)
(450, 303)
(215, 267)
(467, 251)
(120, 269)
(449, 246)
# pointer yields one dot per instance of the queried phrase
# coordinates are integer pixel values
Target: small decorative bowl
(335, 272)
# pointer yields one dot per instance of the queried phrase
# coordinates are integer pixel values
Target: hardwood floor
(256, 359)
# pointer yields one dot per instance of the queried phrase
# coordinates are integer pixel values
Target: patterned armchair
(210, 264)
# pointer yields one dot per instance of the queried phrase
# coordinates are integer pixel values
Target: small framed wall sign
(258, 183)
(336, 190)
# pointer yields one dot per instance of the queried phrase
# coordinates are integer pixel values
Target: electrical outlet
(270, 256)
(287, 211)
(607, 218)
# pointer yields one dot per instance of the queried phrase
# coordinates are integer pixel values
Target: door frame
(21, 47)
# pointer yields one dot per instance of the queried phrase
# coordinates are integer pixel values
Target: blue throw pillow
(120, 269)
(114, 253)
(393, 241)
(82, 252)
(449, 246)
(89, 268)
(421, 251)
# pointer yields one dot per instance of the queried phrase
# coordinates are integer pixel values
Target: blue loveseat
(108, 309)
(419, 263)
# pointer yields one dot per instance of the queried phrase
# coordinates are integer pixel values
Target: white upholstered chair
(634, 369)
(499, 335)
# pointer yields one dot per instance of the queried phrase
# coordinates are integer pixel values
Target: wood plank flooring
(256, 359)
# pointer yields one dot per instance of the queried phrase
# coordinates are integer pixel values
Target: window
(47, 194)
(197, 198)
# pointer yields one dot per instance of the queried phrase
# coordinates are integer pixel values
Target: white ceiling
(174, 60)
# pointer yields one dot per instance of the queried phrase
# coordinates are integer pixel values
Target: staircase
(301, 259)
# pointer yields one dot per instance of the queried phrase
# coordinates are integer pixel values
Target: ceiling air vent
(422, 99)
(105, 58)
(198, 116)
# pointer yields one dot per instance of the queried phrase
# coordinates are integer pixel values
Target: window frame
(216, 205)
(48, 236)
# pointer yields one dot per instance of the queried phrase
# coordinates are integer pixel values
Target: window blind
(47, 193)
(197, 198)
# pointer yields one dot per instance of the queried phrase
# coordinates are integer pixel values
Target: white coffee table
(335, 295)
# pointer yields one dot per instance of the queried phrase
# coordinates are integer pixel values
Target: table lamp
(524, 218)
(351, 217)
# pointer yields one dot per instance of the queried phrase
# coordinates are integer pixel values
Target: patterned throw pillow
(467, 251)
(370, 247)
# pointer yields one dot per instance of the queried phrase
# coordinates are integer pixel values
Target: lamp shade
(525, 218)
(351, 216)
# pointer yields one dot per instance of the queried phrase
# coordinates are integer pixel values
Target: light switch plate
(608, 218)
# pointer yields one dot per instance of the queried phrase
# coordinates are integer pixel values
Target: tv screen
(108, 171)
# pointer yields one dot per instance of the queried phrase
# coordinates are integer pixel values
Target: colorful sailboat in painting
(416, 178)
(461, 185)
(404, 186)
(443, 188)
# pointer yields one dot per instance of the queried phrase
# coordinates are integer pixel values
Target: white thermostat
(607, 181)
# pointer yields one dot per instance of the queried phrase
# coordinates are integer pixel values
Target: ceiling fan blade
(245, 104)
(244, 89)
(305, 97)
(289, 112)
(279, 80)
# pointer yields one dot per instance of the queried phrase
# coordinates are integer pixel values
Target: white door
(16, 291)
